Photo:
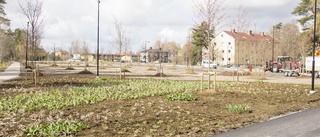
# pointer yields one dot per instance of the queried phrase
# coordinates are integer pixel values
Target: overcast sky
(146, 20)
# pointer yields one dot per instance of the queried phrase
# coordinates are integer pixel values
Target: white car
(207, 63)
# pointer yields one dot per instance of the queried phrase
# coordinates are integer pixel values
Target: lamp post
(272, 49)
(27, 43)
(145, 53)
(98, 39)
(314, 45)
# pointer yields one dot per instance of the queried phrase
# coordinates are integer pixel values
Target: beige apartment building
(244, 48)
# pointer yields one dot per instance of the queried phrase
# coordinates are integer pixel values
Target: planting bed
(141, 107)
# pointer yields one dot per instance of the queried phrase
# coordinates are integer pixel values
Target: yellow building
(244, 48)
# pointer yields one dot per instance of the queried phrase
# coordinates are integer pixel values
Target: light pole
(27, 43)
(145, 53)
(314, 45)
(98, 39)
(272, 49)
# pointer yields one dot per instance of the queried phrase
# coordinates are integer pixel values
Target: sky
(143, 20)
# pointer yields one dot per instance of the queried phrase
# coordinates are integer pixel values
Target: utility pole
(98, 39)
(27, 44)
(314, 45)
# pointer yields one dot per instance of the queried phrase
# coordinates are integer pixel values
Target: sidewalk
(301, 124)
(11, 72)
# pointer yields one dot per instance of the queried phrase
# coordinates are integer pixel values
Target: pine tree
(3, 20)
(305, 11)
(202, 37)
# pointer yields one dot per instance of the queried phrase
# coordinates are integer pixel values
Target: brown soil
(70, 68)
(85, 72)
(160, 75)
(156, 116)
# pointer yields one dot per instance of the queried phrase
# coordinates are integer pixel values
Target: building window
(215, 43)
(229, 51)
(222, 59)
(229, 59)
(221, 35)
(229, 43)
(222, 51)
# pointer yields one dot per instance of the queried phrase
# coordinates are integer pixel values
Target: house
(126, 58)
(243, 48)
(88, 57)
(62, 55)
(151, 55)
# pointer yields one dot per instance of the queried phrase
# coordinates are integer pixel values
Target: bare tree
(289, 40)
(4, 38)
(32, 9)
(160, 43)
(4, 45)
(212, 12)
(85, 51)
(75, 47)
(120, 40)
(241, 23)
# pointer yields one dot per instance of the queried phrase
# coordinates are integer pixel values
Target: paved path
(302, 124)
(12, 71)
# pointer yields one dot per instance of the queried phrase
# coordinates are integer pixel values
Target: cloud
(68, 20)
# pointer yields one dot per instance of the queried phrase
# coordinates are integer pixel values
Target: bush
(239, 109)
(181, 97)
(57, 128)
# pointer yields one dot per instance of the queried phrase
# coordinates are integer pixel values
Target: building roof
(249, 36)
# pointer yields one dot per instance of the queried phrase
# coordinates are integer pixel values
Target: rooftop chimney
(233, 30)
(262, 34)
(249, 32)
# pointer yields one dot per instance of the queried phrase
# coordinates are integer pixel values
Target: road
(11, 72)
(301, 124)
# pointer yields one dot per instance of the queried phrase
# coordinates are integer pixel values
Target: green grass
(239, 109)
(4, 66)
(97, 91)
(55, 129)
(180, 97)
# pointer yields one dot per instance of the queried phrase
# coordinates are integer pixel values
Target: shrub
(181, 97)
(239, 109)
(58, 128)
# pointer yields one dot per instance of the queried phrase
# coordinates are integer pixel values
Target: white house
(243, 48)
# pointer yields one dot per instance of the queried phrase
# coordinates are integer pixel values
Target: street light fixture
(98, 39)
(145, 53)
(27, 44)
(314, 45)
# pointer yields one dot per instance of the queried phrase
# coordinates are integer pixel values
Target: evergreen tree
(202, 37)
(3, 20)
(305, 10)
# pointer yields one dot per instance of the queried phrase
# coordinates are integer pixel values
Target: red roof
(249, 36)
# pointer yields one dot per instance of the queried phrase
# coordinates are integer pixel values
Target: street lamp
(145, 53)
(272, 49)
(27, 44)
(314, 45)
(98, 39)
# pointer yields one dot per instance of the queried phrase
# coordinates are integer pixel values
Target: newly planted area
(84, 106)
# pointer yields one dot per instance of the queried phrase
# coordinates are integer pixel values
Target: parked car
(73, 60)
(207, 63)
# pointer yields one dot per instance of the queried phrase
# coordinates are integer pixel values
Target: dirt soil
(157, 116)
